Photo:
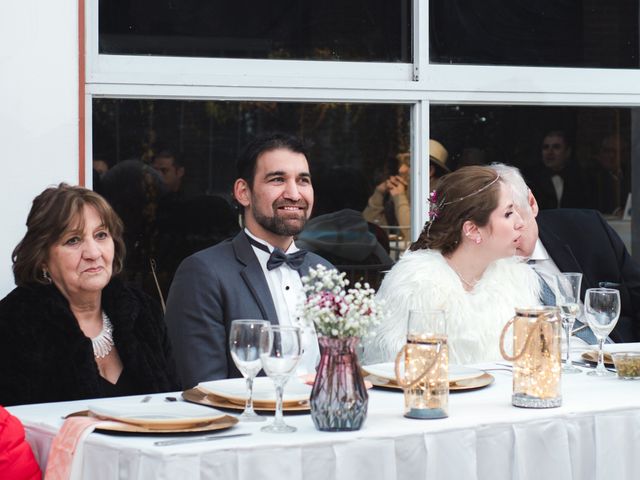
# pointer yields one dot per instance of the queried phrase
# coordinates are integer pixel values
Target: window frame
(419, 84)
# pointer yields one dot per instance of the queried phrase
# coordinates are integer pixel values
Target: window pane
(587, 148)
(368, 30)
(562, 33)
(170, 213)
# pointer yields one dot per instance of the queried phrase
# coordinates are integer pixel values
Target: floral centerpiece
(336, 310)
(341, 315)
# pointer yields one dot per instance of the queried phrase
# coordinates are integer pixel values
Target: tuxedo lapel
(253, 276)
(311, 261)
(306, 265)
(562, 255)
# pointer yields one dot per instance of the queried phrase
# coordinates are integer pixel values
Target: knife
(203, 438)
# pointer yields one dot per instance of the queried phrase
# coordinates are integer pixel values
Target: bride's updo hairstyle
(470, 193)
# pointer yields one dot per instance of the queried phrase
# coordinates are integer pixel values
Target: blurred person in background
(558, 182)
(390, 203)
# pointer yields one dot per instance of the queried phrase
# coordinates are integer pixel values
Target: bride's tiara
(436, 205)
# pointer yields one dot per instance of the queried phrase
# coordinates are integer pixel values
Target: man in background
(171, 169)
(558, 182)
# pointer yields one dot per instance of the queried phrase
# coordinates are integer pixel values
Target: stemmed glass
(568, 299)
(244, 345)
(280, 352)
(602, 309)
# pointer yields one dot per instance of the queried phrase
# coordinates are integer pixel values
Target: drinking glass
(280, 352)
(568, 300)
(602, 309)
(244, 346)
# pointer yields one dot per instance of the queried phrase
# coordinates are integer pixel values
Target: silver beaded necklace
(103, 342)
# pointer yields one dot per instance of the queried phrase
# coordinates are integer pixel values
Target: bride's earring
(478, 240)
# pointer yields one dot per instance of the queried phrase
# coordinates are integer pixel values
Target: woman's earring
(478, 240)
(46, 276)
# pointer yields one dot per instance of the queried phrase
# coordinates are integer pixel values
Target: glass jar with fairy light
(422, 366)
(536, 357)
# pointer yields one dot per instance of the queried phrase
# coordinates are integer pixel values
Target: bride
(463, 263)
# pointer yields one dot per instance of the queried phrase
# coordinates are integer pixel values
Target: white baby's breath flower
(337, 310)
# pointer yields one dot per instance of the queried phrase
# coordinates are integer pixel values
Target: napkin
(65, 454)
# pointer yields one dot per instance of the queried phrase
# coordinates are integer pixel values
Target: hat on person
(438, 155)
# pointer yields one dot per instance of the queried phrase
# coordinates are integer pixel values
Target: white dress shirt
(286, 291)
(558, 186)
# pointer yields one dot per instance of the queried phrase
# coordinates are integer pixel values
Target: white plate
(621, 347)
(456, 372)
(166, 415)
(235, 389)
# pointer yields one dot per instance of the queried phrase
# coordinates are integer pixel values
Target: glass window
(555, 33)
(570, 156)
(168, 167)
(371, 30)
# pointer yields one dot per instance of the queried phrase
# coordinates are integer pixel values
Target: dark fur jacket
(45, 357)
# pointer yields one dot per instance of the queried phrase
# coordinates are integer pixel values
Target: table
(594, 435)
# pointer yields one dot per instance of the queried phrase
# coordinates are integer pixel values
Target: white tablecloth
(594, 435)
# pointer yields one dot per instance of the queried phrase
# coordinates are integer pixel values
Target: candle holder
(536, 360)
(422, 366)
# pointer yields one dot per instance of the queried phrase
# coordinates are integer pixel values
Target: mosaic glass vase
(339, 397)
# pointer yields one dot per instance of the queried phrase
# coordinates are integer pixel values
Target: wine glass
(244, 346)
(602, 309)
(280, 352)
(568, 299)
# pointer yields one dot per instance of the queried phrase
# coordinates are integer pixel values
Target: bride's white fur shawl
(424, 280)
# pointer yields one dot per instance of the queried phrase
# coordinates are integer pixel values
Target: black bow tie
(278, 257)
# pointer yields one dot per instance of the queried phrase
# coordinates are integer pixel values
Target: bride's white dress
(424, 280)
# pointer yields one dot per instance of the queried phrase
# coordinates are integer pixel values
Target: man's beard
(278, 225)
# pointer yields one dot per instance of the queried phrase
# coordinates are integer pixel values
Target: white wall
(38, 111)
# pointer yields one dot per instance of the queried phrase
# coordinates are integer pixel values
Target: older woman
(71, 329)
(463, 263)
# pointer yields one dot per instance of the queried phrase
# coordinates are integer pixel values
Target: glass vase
(339, 398)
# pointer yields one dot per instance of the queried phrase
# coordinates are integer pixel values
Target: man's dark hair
(558, 133)
(168, 153)
(248, 158)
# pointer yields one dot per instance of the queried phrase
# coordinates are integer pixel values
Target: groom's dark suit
(210, 289)
(582, 241)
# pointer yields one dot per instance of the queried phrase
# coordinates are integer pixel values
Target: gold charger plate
(195, 395)
(466, 384)
(109, 426)
(592, 357)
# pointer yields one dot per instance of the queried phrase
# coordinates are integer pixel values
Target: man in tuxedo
(256, 274)
(578, 240)
(557, 181)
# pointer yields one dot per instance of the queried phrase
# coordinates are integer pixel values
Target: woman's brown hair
(470, 193)
(51, 215)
